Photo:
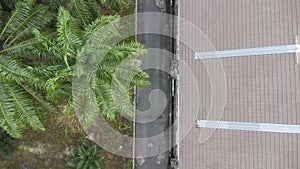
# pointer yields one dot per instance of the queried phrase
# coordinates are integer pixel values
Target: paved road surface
(159, 80)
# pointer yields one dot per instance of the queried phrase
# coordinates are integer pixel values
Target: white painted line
(248, 52)
(248, 126)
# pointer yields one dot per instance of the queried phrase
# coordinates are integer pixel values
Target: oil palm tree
(37, 61)
(20, 102)
(65, 46)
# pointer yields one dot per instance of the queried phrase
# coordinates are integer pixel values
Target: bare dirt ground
(53, 148)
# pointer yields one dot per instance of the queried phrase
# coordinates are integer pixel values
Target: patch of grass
(129, 164)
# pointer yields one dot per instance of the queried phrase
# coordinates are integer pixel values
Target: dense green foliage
(85, 157)
(6, 142)
(40, 43)
(116, 5)
(19, 83)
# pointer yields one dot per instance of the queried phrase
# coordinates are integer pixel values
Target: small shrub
(6, 142)
(85, 157)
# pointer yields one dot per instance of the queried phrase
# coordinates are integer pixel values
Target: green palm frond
(116, 5)
(22, 86)
(120, 62)
(17, 110)
(68, 32)
(121, 97)
(86, 106)
(7, 113)
(26, 110)
(25, 17)
(13, 70)
(39, 98)
(80, 9)
(46, 47)
(130, 74)
(105, 100)
(19, 48)
(99, 24)
(63, 75)
(124, 51)
(94, 8)
(121, 73)
(46, 71)
(141, 79)
(55, 4)
(117, 71)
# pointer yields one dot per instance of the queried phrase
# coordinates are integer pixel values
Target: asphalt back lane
(159, 80)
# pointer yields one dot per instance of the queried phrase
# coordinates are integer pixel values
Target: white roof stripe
(248, 52)
(249, 126)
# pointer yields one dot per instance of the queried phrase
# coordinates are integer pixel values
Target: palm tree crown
(37, 62)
